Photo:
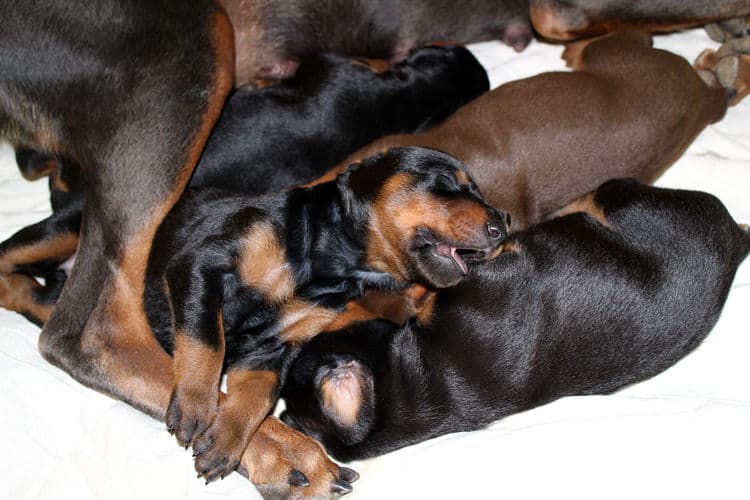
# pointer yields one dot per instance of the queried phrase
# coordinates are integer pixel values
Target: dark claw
(213, 476)
(348, 475)
(201, 445)
(297, 478)
(341, 487)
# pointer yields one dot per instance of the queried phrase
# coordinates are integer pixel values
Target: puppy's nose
(495, 230)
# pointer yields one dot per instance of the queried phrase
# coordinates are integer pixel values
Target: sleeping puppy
(534, 145)
(238, 285)
(613, 293)
(288, 134)
(266, 140)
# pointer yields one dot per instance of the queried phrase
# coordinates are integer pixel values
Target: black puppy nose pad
(495, 230)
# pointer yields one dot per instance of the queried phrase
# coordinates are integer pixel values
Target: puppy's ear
(344, 189)
(347, 399)
(356, 208)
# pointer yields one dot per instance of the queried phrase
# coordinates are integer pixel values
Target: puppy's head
(425, 218)
(331, 399)
(443, 78)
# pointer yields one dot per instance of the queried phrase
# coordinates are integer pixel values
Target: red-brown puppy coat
(533, 145)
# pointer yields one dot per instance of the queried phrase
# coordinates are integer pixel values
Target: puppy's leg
(36, 250)
(571, 19)
(284, 463)
(251, 395)
(585, 204)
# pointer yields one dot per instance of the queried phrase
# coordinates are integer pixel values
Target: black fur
(323, 231)
(580, 308)
(238, 284)
(271, 139)
(289, 134)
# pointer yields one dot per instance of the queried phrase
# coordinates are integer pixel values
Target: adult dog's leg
(572, 19)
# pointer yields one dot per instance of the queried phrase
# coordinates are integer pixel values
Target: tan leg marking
(17, 294)
(275, 450)
(59, 248)
(250, 398)
(586, 204)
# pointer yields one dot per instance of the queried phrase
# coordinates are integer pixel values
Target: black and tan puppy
(581, 304)
(237, 284)
(266, 140)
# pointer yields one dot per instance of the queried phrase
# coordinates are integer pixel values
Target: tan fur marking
(263, 264)
(58, 183)
(58, 248)
(374, 65)
(301, 320)
(249, 397)
(586, 204)
(399, 211)
(17, 294)
(416, 301)
(197, 367)
(354, 313)
(248, 401)
(50, 167)
(462, 177)
(573, 53)
(275, 449)
(327, 177)
(742, 83)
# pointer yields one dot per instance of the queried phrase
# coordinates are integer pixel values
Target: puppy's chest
(264, 319)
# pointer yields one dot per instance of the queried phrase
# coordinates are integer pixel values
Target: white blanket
(683, 434)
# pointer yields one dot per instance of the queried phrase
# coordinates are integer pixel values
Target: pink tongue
(459, 261)
(446, 250)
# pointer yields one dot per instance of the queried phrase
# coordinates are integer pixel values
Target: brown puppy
(533, 145)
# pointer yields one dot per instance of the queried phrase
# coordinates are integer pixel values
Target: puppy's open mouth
(459, 254)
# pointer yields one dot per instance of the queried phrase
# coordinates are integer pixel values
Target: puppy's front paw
(284, 463)
(219, 448)
(190, 413)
